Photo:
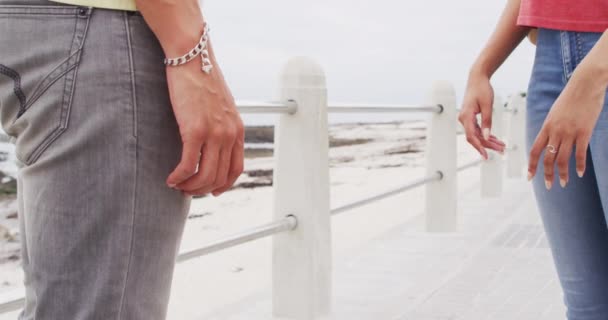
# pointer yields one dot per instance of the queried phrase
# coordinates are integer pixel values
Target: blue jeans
(574, 217)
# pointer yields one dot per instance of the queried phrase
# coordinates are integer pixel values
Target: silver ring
(551, 148)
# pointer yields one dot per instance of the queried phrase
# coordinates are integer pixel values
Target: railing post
(516, 142)
(441, 209)
(302, 258)
(492, 169)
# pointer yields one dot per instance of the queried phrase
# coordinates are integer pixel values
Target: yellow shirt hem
(128, 5)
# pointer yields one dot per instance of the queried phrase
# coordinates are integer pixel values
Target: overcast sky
(385, 51)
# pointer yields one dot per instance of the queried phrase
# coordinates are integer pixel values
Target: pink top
(569, 15)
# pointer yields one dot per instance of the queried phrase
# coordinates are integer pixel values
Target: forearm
(178, 24)
(595, 65)
(505, 38)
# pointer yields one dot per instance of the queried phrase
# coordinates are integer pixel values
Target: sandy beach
(364, 159)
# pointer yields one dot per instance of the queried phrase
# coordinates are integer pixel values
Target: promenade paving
(496, 266)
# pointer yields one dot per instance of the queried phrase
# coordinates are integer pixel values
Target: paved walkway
(497, 266)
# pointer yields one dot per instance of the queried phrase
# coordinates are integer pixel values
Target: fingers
(549, 161)
(236, 168)
(563, 160)
(222, 172)
(496, 140)
(475, 141)
(537, 148)
(188, 165)
(471, 129)
(206, 175)
(582, 144)
(494, 145)
(486, 119)
(557, 152)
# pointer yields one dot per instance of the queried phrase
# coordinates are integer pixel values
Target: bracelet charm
(200, 49)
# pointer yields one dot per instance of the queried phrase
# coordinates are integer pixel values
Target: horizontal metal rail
(291, 107)
(268, 107)
(470, 165)
(286, 224)
(11, 305)
(414, 184)
(354, 108)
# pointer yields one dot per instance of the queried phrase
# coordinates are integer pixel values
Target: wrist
(480, 71)
(594, 67)
(181, 42)
(592, 74)
(202, 50)
(477, 74)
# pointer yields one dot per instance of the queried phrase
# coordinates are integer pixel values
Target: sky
(380, 51)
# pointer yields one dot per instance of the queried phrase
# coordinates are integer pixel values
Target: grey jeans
(84, 94)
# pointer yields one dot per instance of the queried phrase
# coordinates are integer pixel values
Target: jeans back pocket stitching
(69, 84)
(64, 67)
(14, 75)
(38, 92)
(77, 47)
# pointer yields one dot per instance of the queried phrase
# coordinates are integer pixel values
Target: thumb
(188, 164)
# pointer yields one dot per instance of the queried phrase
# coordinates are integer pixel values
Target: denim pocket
(40, 49)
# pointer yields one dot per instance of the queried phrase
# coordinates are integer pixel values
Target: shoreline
(360, 154)
(259, 139)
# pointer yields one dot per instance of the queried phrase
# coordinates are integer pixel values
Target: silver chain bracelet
(200, 49)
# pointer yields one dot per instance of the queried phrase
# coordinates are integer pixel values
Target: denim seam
(68, 89)
(41, 88)
(132, 72)
(70, 62)
(566, 58)
(67, 10)
(579, 48)
(123, 297)
(14, 75)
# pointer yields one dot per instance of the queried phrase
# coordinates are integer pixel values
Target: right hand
(479, 99)
(211, 130)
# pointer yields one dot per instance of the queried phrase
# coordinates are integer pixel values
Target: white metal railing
(287, 107)
(302, 227)
(356, 108)
(286, 224)
(414, 184)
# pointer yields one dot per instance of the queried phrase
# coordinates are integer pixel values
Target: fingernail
(562, 182)
(172, 186)
(548, 184)
(580, 173)
(530, 176)
(486, 133)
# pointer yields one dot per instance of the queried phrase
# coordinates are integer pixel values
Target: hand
(210, 127)
(569, 123)
(479, 98)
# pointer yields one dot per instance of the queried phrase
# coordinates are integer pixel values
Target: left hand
(569, 124)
